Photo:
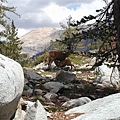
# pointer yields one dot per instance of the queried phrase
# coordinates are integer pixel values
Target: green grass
(78, 59)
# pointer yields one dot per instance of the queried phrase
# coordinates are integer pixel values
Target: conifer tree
(67, 37)
(10, 44)
(13, 42)
(3, 15)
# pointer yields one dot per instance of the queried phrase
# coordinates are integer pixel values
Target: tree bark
(116, 12)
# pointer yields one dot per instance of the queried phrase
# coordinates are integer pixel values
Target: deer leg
(50, 62)
(72, 66)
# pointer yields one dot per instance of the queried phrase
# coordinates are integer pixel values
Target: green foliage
(67, 37)
(78, 59)
(68, 30)
(11, 46)
(38, 60)
(57, 45)
(3, 15)
(102, 31)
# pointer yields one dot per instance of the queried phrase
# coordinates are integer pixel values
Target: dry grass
(62, 116)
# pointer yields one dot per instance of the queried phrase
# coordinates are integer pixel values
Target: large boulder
(11, 86)
(106, 108)
(65, 76)
(108, 76)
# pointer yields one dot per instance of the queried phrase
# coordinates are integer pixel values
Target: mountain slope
(38, 39)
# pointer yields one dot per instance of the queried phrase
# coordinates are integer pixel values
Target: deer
(63, 63)
(57, 55)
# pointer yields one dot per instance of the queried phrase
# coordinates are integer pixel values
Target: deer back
(58, 55)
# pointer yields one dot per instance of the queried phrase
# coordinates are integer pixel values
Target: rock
(11, 86)
(53, 86)
(105, 76)
(74, 72)
(63, 98)
(65, 76)
(101, 86)
(36, 112)
(30, 75)
(28, 92)
(26, 81)
(107, 81)
(51, 96)
(20, 114)
(38, 92)
(79, 72)
(89, 64)
(26, 87)
(28, 104)
(76, 102)
(106, 108)
(49, 76)
(104, 70)
(41, 66)
(85, 67)
(40, 98)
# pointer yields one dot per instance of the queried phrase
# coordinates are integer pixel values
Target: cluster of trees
(10, 44)
(105, 31)
(66, 36)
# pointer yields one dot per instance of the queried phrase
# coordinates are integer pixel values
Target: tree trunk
(116, 10)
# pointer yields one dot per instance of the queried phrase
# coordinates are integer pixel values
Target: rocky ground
(60, 94)
(53, 90)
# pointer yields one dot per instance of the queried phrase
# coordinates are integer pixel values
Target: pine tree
(3, 16)
(10, 44)
(67, 37)
(13, 42)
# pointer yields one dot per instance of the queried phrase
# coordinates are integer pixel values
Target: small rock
(20, 114)
(76, 102)
(38, 92)
(53, 86)
(36, 112)
(51, 96)
(30, 75)
(28, 92)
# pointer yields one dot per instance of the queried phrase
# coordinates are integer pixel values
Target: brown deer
(63, 63)
(57, 55)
